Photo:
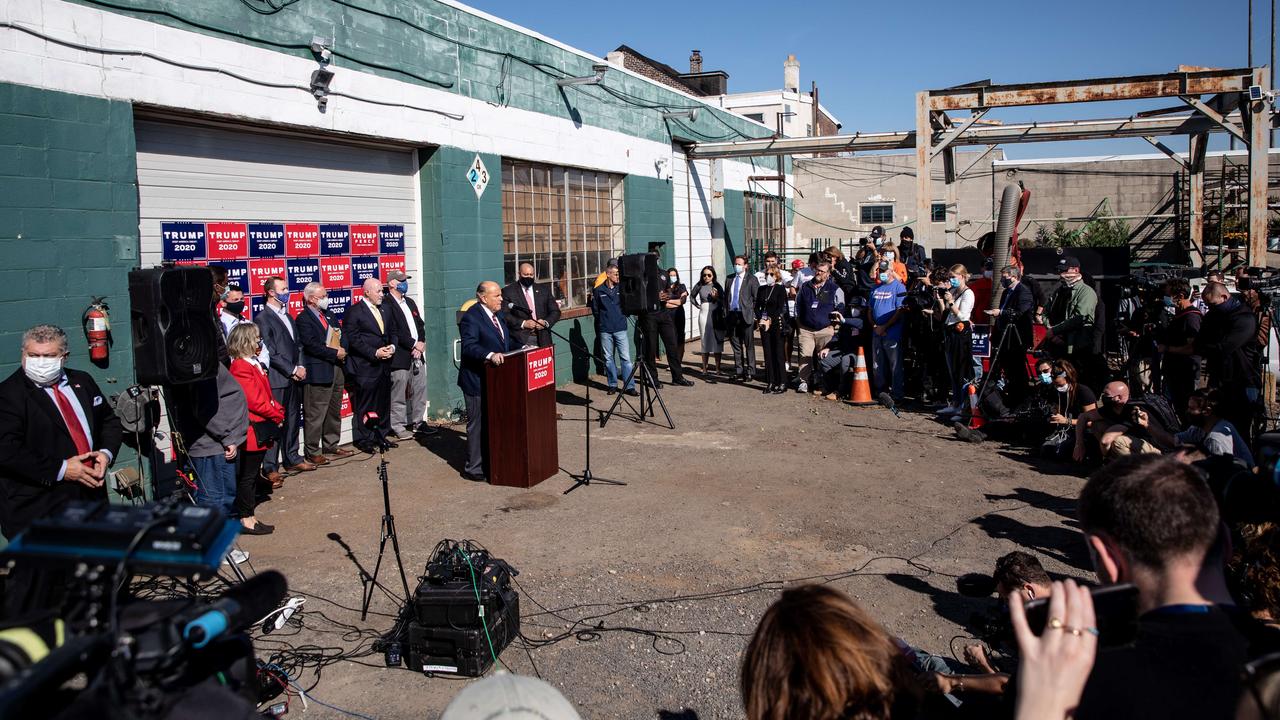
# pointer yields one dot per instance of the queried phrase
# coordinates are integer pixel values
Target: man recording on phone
(1153, 521)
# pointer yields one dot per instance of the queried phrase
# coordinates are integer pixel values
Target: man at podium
(485, 337)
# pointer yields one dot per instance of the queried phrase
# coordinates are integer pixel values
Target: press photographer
(838, 355)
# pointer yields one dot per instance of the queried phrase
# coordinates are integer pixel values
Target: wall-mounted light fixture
(691, 114)
(585, 80)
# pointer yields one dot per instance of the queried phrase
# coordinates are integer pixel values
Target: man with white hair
(323, 353)
(371, 343)
(58, 435)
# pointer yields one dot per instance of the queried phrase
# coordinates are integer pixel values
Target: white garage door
(251, 183)
(691, 198)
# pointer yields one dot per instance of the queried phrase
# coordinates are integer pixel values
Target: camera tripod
(648, 386)
(387, 532)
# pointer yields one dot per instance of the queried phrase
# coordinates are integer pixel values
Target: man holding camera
(841, 350)
(1227, 343)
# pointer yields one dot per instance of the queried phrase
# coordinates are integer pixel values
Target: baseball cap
(397, 276)
(1066, 262)
(797, 264)
(504, 696)
(877, 231)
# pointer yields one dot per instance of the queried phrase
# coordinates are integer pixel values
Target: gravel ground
(749, 493)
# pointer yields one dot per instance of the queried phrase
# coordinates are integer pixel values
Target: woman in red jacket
(265, 416)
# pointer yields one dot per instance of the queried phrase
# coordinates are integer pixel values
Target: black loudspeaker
(1103, 262)
(970, 257)
(638, 283)
(175, 336)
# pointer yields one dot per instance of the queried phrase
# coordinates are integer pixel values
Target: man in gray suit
(740, 319)
(285, 371)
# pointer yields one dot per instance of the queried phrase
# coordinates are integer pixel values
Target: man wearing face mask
(323, 354)
(538, 308)
(887, 315)
(740, 319)
(912, 254)
(1226, 342)
(1180, 365)
(58, 435)
(286, 373)
(1071, 318)
(408, 367)
(1013, 333)
(232, 314)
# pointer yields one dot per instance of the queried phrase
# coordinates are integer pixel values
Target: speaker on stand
(175, 336)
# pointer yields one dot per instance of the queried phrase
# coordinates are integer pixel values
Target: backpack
(1159, 407)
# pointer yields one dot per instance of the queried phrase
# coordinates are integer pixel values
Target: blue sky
(869, 59)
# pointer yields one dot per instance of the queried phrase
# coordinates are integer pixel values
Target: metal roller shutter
(204, 174)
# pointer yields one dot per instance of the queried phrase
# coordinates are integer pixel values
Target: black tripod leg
(630, 379)
(395, 545)
(372, 581)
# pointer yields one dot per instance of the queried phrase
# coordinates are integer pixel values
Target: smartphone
(1114, 606)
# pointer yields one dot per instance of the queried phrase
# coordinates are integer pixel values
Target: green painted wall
(436, 45)
(461, 246)
(734, 227)
(68, 220)
(650, 215)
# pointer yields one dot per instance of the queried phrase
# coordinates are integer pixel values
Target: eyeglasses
(706, 275)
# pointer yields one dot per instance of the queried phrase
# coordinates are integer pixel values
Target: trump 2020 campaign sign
(339, 256)
(541, 364)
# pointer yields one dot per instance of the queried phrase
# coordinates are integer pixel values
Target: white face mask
(739, 269)
(43, 370)
(1062, 388)
(323, 303)
(889, 256)
(768, 280)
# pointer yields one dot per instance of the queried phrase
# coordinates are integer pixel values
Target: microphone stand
(585, 477)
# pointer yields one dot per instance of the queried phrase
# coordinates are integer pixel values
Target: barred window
(764, 224)
(938, 213)
(566, 221)
(876, 214)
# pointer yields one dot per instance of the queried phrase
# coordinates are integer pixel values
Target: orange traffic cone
(976, 421)
(861, 384)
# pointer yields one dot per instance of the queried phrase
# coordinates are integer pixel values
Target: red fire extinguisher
(97, 329)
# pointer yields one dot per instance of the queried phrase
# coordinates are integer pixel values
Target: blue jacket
(608, 309)
(814, 306)
(479, 338)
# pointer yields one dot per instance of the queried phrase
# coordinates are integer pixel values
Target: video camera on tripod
(141, 658)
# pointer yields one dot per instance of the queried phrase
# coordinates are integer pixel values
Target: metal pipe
(1009, 200)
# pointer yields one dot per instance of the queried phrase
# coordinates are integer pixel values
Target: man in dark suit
(740, 319)
(58, 435)
(322, 388)
(408, 366)
(371, 343)
(543, 310)
(485, 337)
(1012, 333)
(285, 371)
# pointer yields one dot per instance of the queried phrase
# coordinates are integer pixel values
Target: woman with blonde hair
(897, 267)
(957, 335)
(265, 415)
(816, 655)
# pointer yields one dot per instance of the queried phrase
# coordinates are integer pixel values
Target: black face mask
(526, 281)
(235, 308)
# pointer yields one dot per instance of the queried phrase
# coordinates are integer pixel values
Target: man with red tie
(485, 338)
(58, 435)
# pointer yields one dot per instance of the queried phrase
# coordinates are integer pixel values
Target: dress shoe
(317, 460)
(779, 390)
(475, 478)
(258, 529)
(342, 452)
(276, 480)
(685, 382)
(303, 466)
(632, 392)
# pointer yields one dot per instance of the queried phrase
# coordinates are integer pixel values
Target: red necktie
(323, 322)
(73, 423)
(496, 326)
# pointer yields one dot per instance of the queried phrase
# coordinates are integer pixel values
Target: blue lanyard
(1181, 609)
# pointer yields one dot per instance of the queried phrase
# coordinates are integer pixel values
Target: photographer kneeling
(1120, 427)
(835, 358)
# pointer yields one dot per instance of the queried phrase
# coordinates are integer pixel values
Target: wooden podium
(520, 417)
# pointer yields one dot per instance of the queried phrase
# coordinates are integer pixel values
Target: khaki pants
(810, 343)
(322, 416)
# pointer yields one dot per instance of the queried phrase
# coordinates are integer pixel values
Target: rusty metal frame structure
(936, 135)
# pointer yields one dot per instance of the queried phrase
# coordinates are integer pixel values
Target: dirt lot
(749, 491)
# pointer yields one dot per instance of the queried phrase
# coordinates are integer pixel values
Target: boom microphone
(237, 609)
